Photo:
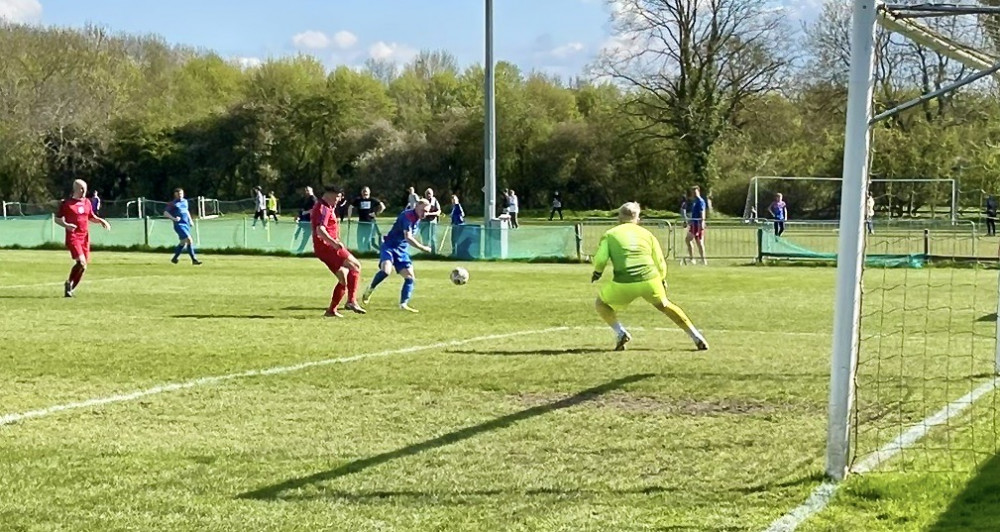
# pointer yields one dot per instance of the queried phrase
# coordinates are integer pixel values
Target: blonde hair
(423, 201)
(629, 211)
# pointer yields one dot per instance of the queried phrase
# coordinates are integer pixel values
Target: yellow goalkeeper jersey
(634, 252)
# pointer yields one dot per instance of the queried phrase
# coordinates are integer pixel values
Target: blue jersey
(696, 209)
(780, 210)
(406, 222)
(457, 214)
(179, 209)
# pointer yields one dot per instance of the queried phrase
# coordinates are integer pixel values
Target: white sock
(695, 335)
(619, 330)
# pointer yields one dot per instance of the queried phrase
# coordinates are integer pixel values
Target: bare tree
(693, 65)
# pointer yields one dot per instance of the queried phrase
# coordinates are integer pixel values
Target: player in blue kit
(394, 254)
(177, 211)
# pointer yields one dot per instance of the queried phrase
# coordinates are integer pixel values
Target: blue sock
(407, 292)
(377, 280)
(178, 250)
(191, 251)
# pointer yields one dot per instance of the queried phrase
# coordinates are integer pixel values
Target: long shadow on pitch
(274, 491)
(978, 506)
(530, 352)
(225, 317)
(463, 496)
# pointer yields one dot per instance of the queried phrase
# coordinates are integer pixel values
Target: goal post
(818, 198)
(847, 302)
(911, 352)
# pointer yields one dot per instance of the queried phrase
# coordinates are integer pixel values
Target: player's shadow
(978, 506)
(224, 317)
(462, 496)
(530, 352)
(276, 490)
(317, 309)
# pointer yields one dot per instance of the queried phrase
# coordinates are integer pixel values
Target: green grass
(537, 431)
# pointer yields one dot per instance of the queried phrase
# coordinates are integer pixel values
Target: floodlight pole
(489, 141)
(850, 252)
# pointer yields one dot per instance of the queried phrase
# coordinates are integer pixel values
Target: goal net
(818, 198)
(915, 351)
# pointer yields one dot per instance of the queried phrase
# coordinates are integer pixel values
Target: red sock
(353, 280)
(338, 296)
(76, 275)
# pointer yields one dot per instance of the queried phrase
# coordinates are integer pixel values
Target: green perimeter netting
(785, 247)
(467, 242)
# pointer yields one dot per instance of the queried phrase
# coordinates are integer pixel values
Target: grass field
(499, 407)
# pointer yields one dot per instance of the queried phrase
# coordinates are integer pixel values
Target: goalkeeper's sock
(407, 292)
(177, 251)
(377, 280)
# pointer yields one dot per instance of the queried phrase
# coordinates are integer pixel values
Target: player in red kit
(75, 215)
(329, 249)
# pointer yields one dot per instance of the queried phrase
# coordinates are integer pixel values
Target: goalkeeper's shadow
(280, 491)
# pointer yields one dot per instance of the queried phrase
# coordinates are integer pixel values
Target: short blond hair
(423, 201)
(629, 211)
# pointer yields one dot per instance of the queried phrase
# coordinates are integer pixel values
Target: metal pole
(850, 252)
(489, 148)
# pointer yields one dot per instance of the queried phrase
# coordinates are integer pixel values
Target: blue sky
(558, 36)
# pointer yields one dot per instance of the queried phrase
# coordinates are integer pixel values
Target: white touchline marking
(822, 495)
(9, 419)
(87, 281)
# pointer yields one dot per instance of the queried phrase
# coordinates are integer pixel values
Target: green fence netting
(466, 242)
(817, 247)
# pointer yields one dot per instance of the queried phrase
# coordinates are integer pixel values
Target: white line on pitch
(60, 283)
(822, 495)
(9, 419)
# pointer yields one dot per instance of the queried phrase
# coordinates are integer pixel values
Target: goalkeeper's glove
(594, 278)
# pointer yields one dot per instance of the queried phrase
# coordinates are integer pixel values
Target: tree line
(695, 93)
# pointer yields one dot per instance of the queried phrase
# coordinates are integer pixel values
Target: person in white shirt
(412, 198)
(870, 214)
(512, 208)
(428, 229)
(260, 207)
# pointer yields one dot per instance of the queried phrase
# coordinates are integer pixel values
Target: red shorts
(697, 230)
(334, 259)
(79, 246)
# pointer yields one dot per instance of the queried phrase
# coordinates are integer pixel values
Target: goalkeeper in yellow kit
(639, 271)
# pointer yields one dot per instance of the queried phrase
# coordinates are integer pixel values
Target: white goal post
(977, 49)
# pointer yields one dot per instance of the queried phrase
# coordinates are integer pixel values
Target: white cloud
(567, 50)
(249, 62)
(21, 11)
(345, 39)
(311, 39)
(391, 52)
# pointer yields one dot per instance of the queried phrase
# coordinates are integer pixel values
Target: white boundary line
(60, 283)
(822, 495)
(10, 419)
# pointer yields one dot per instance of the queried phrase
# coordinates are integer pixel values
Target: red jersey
(323, 215)
(77, 212)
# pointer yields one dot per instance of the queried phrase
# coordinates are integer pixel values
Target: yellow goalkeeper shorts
(620, 295)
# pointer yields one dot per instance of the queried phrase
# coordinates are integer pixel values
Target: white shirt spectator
(411, 202)
(512, 204)
(259, 198)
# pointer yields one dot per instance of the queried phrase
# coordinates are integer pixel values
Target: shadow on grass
(978, 506)
(989, 318)
(536, 352)
(274, 491)
(463, 496)
(224, 317)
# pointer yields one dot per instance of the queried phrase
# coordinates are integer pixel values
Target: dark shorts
(696, 230)
(183, 231)
(400, 258)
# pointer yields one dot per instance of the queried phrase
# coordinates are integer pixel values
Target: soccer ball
(459, 276)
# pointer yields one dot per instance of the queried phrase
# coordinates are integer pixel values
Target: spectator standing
(95, 203)
(368, 210)
(259, 207)
(512, 208)
(304, 230)
(272, 206)
(428, 229)
(557, 206)
(991, 216)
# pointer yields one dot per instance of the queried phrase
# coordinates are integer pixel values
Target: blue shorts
(399, 257)
(183, 231)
